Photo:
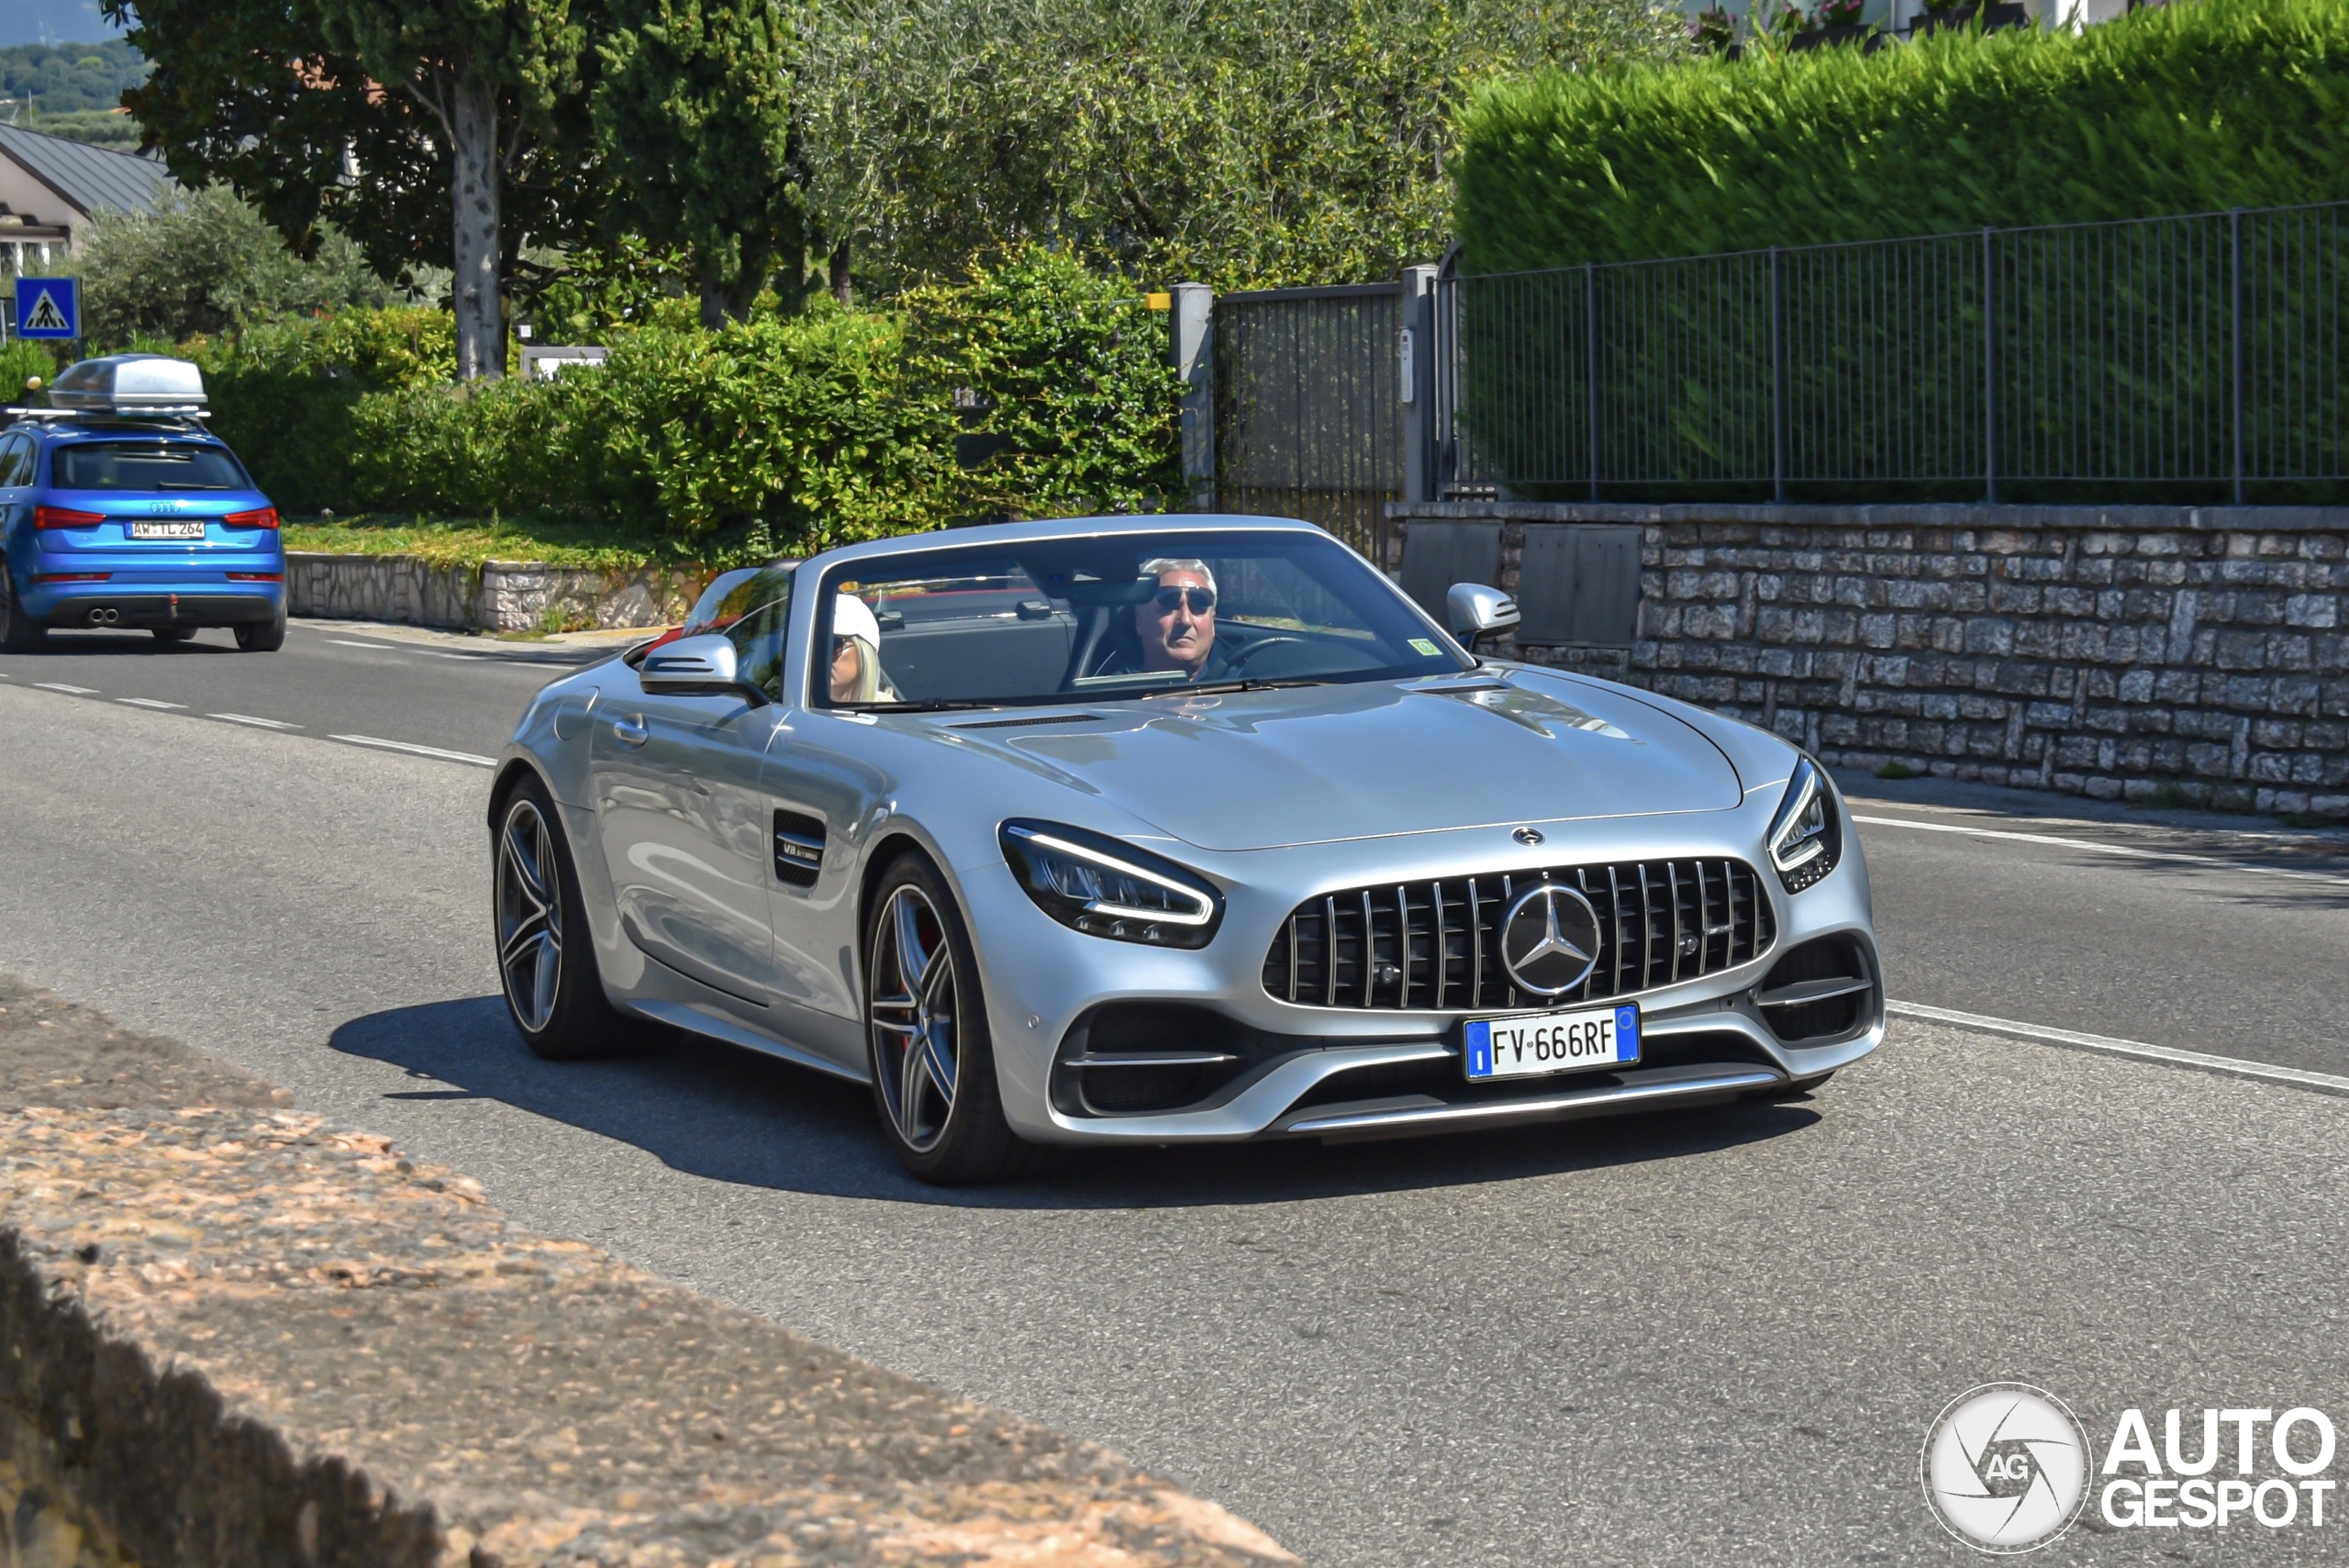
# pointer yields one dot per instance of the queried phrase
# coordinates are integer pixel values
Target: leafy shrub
(2186, 108)
(1068, 371)
(206, 263)
(19, 362)
(780, 433)
(284, 393)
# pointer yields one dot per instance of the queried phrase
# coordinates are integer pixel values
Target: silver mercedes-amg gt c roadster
(1170, 828)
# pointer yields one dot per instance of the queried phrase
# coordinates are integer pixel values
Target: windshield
(145, 465)
(1128, 617)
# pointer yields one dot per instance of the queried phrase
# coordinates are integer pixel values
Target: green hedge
(2188, 108)
(777, 434)
(284, 393)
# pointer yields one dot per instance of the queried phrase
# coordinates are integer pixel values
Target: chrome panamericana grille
(1436, 945)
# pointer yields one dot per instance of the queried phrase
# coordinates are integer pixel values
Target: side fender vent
(799, 849)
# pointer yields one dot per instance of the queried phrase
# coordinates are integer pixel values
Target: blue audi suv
(120, 510)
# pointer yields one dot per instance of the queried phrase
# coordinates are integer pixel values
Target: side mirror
(696, 667)
(1477, 610)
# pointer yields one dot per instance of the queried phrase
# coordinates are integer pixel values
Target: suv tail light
(266, 517)
(60, 517)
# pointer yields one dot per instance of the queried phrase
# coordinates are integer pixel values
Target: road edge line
(2135, 1050)
(413, 750)
(2127, 852)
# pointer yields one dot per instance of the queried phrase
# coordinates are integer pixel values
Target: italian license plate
(1533, 1044)
(192, 528)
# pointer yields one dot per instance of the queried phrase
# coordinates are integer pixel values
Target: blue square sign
(48, 307)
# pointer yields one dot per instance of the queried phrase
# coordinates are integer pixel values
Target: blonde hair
(854, 622)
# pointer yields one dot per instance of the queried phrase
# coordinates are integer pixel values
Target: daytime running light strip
(1206, 909)
(1793, 813)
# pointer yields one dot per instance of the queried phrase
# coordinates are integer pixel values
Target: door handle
(632, 730)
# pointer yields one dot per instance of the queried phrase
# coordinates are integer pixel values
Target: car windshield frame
(1376, 599)
(63, 456)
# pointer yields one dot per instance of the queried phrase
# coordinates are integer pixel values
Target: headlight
(1105, 887)
(1806, 836)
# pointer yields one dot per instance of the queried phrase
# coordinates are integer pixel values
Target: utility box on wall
(1578, 586)
(1437, 555)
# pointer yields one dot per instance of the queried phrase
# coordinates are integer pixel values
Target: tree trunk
(837, 274)
(481, 328)
(730, 284)
(712, 277)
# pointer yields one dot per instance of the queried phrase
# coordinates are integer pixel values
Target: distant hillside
(58, 79)
(99, 127)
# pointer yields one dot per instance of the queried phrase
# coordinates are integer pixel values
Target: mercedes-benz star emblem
(1549, 940)
(1529, 836)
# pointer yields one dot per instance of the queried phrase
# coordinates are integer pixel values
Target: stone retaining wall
(500, 596)
(2189, 654)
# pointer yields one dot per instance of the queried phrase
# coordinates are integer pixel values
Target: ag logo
(2005, 1468)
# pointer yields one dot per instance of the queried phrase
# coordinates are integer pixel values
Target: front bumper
(1341, 1072)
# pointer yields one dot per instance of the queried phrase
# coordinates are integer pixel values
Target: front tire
(546, 961)
(18, 632)
(926, 1028)
(263, 636)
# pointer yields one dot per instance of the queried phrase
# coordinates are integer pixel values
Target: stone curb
(239, 1334)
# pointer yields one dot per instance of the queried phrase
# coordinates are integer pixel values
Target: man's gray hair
(1164, 563)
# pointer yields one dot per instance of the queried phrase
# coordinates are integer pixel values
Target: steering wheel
(1241, 657)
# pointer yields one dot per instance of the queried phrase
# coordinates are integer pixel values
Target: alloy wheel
(529, 917)
(917, 1040)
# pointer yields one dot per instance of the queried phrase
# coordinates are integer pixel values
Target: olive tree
(1243, 142)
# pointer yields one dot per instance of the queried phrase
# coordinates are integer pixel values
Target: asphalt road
(1660, 1340)
(400, 685)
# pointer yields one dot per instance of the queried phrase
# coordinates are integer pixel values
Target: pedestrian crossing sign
(48, 307)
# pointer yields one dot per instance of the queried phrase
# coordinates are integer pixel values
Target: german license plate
(192, 528)
(1533, 1044)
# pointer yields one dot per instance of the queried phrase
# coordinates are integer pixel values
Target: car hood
(1258, 770)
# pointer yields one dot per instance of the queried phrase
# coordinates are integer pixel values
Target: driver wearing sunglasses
(1176, 624)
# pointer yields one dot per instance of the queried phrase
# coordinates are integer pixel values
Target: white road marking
(58, 686)
(2234, 1066)
(379, 647)
(418, 751)
(149, 702)
(2129, 852)
(249, 719)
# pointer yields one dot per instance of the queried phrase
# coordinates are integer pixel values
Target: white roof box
(130, 383)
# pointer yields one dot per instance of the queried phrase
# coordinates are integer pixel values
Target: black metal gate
(1307, 418)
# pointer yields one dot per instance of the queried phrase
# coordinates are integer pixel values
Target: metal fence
(1307, 419)
(2197, 358)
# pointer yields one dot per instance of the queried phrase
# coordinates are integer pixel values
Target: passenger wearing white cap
(856, 651)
